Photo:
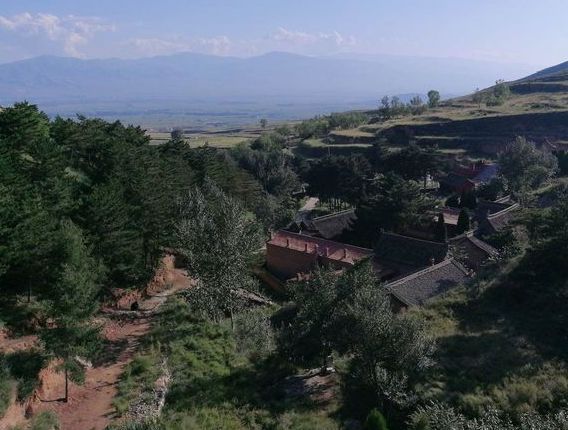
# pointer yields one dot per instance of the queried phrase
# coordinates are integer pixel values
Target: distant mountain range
(270, 82)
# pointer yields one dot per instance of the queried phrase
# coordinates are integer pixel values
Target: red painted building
(290, 254)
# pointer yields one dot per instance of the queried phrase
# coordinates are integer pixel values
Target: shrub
(298, 421)
(24, 366)
(141, 364)
(254, 334)
(375, 421)
(45, 421)
(145, 425)
(5, 392)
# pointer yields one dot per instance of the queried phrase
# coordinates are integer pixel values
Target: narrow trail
(90, 405)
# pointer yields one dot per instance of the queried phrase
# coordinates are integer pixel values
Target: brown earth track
(90, 405)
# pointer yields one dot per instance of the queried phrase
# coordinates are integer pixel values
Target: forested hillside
(103, 177)
(89, 207)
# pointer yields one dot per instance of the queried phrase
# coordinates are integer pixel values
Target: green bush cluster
(45, 421)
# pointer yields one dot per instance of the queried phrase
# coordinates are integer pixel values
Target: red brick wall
(286, 262)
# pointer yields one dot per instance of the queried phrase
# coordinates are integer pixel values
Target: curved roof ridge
(333, 214)
(411, 238)
(503, 211)
(419, 273)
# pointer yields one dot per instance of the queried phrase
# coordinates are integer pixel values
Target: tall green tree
(385, 108)
(524, 166)
(34, 196)
(464, 222)
(23, 125)
(392, 204)
(441, 230)
(433, 98)
(314, 332)
(218, 238)
(417, 106)
(389, 350)
(414, 162)
(350, 313)
(71, 305)
(339, 180)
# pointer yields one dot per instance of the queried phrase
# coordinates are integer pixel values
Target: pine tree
(464, 222)
(375, 421)
(71, 305)
(112, 225)
(468, 200)
(23, 125)
(453, 201)
(392, 204)
(441, 229)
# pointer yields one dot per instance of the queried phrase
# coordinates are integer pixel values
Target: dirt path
(90, 405)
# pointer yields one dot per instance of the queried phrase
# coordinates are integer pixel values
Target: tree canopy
(392, 204)
(524, 166)
(217, 238)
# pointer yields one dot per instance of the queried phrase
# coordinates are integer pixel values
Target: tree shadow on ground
(110, 350)
(502, 332)
(523, 316)
(265, 385)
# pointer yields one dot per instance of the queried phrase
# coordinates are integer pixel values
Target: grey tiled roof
(474, 241)
(409, 250)
(421, 286)
(485, 207)
(475, 251)
(332, 226)
(455, 181)
(497, 221)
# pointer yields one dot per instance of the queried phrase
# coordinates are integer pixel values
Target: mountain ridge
(200, 75)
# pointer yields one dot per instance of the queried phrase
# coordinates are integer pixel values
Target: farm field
(217, 138)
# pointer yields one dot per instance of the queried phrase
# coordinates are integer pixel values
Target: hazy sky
(519, 31)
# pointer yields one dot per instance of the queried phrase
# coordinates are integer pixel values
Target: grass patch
(138, 379)
(216, 385)
(217, 140)
(320, 143)
(354, 132)
(487, 358)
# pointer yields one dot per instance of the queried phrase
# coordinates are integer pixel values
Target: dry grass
(354, 132)
(319, 143)
(198, 140)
